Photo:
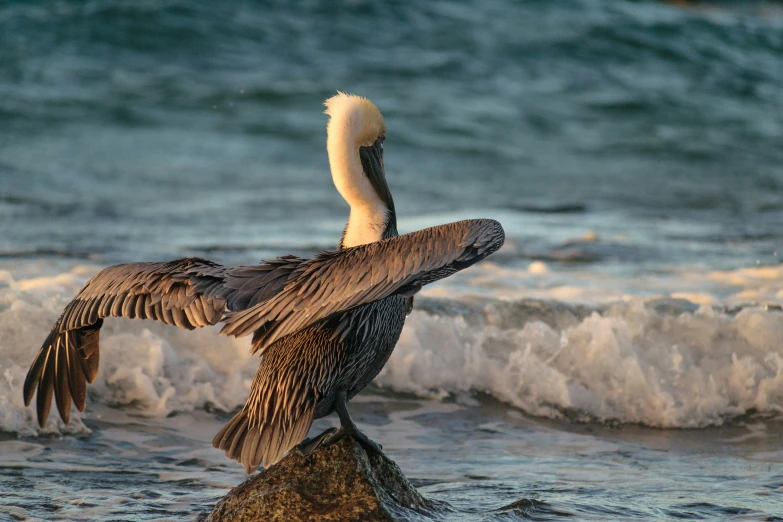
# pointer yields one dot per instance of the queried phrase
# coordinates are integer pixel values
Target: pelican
(322, 327)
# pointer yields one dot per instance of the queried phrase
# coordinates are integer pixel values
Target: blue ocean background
(620, 358)
(127, 125)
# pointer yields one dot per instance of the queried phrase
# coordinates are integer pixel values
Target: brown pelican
(323, 327)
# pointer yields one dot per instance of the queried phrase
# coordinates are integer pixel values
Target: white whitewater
(657, 360)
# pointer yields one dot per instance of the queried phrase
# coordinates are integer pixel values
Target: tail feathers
(68, 360)
(251, 444)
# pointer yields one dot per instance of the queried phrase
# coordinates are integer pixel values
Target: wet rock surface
(343, 482)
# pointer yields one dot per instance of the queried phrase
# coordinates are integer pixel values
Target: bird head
(355, 135)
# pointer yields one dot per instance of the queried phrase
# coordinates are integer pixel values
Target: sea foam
(658, 362)
(652, 363)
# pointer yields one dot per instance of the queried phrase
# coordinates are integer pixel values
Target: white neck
(364, 227)
(368, 213)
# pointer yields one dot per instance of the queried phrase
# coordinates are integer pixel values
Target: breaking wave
(662, 362)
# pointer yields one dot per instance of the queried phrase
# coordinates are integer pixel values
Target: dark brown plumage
(323, 327)
(189, 293)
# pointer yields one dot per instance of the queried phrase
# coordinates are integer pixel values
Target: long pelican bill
(372, 164)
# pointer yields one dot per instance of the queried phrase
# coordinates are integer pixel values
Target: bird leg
(347, 429)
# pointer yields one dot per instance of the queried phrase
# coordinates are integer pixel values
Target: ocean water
(621, 358)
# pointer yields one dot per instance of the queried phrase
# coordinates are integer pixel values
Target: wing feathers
(44, 398)
(338, 281)
(69, 357)
(273, 299)
(62, 388)
(189, 293)
(76, 379)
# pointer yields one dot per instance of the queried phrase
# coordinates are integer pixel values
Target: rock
(343, 482)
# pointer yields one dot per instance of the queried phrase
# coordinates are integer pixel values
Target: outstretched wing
(189, 293)
(338, 281)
